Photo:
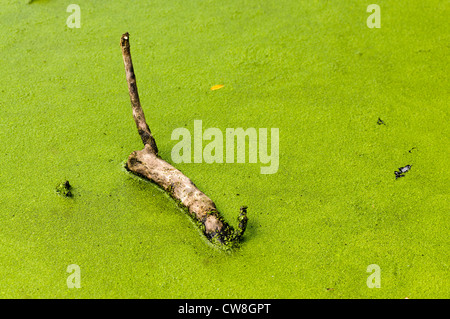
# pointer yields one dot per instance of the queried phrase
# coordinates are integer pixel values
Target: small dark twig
(380, 122)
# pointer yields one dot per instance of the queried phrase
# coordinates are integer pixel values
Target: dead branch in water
(148, 164)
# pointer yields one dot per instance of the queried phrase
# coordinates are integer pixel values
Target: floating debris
(402, 171)
(380, 122)
(63, 189)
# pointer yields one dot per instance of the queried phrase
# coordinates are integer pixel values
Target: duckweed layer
(313, 69)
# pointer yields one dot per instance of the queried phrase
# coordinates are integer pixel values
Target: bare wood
(138, 113)
(148, 164)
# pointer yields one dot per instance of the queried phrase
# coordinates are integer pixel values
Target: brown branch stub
(138, 113)
(146, 163)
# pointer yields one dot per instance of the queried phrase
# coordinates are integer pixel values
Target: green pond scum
(355, 99)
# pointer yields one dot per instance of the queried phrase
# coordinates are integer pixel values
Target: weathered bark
(138, 113)
(148, 164)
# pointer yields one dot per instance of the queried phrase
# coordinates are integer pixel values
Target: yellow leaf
(216, 87)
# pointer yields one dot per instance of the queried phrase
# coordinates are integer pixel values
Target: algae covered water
(347, 104)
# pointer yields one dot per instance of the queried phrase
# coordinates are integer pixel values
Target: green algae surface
(313, 69)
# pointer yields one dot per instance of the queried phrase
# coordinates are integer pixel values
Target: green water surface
(313, 69)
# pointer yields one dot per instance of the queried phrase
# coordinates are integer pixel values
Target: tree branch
(147, 163)
(138, 113)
